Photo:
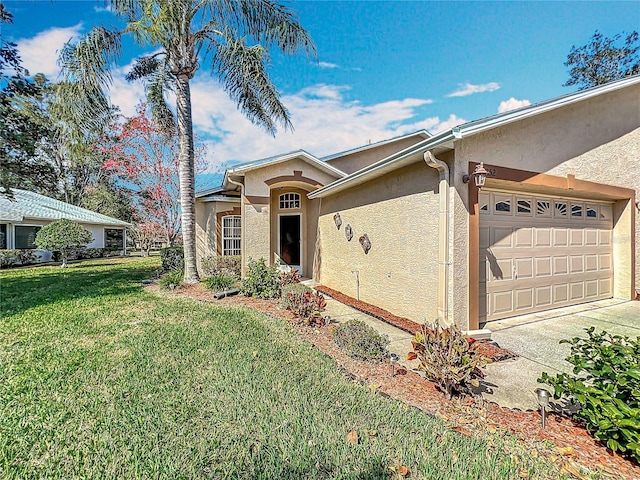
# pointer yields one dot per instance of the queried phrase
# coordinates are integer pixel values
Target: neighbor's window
(114, 238)
(231, 231)
(289, 200)
(3, 236)
(25, 236)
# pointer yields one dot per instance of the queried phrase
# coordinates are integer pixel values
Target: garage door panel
(576, 264)
(543, 267)
(560, 237)
(524, 299)
(591, 289)
(560, 265)
(542, 237)
(524, 238)
(540, 252)
(575, 237)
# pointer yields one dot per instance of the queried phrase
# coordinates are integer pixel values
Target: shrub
(361, 341)
(220, 282)
(296, 289)
(215, 265)
(606, 385)
(64, 236)
(10, 258)
(261, 281)
(307, 306)
(288, 278)
(91, 253)
(172, 258)
(448, 359)
(172, 279)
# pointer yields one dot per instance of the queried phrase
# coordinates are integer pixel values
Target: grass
(101, 379)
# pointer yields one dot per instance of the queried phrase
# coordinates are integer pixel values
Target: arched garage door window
(231, 230)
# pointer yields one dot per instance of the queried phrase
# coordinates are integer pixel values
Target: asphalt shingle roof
(25, 204)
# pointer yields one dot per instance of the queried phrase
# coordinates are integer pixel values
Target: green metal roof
(29, 205)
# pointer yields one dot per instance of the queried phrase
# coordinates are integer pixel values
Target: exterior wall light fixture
(479, 176)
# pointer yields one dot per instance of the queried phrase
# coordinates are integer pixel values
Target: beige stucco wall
(355, 161)
(399, 212)
(206, 233)
(260, 217)
(596, 140)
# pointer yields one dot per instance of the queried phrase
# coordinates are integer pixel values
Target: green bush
(448, 359)
(64, 236)
(9, 258)
(216, 265)
(606, 385)
(261, 281)
(172, 258)
(296, 289)
(307, 306)
(172, 279)
(361, 341)
(220, 282)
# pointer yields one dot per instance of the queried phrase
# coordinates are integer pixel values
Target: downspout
(443, 237)
(242, 220)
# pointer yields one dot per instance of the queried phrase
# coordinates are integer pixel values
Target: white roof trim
(219, 198)
(380, 167)
(423, 133)
(466, 130)
(301, 154)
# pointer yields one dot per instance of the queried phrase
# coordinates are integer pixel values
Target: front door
(290, 241)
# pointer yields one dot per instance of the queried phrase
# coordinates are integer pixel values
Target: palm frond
(242, 71)
(264, 21)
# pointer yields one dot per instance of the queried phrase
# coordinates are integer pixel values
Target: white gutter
(444, 263)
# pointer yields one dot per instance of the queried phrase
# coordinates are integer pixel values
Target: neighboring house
(556, 223)
(23, 215)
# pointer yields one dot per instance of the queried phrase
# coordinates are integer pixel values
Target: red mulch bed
(574, 450)
(488, 349)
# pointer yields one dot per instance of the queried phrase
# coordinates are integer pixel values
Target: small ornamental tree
(63, 235)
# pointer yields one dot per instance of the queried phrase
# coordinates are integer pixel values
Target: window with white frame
(231, 235)
(289, 200)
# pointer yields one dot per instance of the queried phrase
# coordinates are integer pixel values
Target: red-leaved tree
(144, 158)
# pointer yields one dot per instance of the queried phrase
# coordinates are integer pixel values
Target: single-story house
(27, 212)
(402, 225)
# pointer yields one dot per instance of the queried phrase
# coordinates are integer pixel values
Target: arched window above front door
(289, 200)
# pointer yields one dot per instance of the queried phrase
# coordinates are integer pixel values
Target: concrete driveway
(535, 338)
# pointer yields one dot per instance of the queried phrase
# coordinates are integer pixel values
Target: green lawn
(100, 379)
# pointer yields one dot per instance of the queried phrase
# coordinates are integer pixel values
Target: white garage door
(539, 252)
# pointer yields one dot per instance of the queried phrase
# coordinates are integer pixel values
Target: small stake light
(393, 359)
(479, 176)
(544, 396)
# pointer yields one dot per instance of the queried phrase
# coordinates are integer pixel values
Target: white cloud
(324, 121)
(40, 53)
(107, 8)
(512, 104)
(327, 65)
(465, 89)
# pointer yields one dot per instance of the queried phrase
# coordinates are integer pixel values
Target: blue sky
(384, 68)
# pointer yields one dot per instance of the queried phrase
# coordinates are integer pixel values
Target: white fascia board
(241, 170)
(494, 121)
(382, 166)
(423, 133)
(220, 198)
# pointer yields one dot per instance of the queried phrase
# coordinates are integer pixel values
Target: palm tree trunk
(187, 178)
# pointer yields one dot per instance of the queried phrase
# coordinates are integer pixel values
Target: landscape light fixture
(393, 359)
(479, 176)
(543, 400)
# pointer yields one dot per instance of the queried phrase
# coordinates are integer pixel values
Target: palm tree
(231, 36)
